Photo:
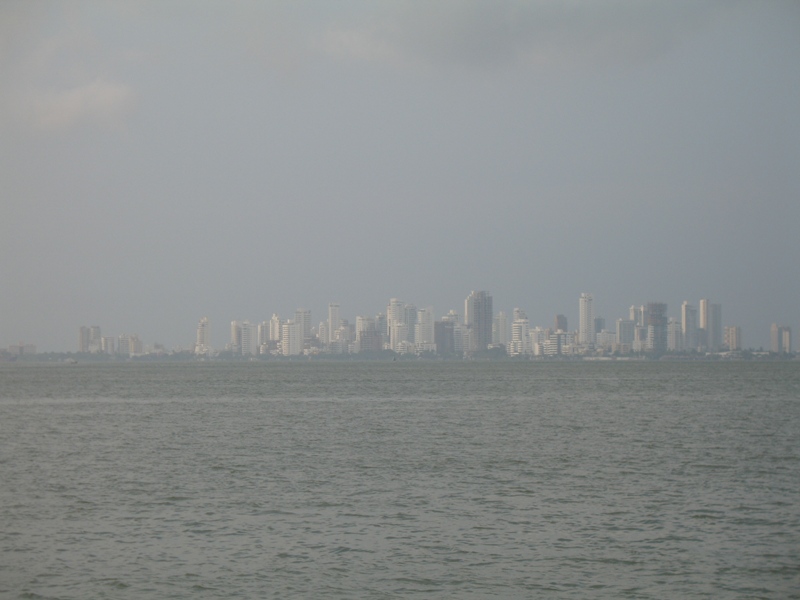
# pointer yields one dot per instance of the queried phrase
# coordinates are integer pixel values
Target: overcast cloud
(165, 161)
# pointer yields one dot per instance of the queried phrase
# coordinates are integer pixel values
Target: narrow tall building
(202, 345)
(302, 318)
(710, 325)
(334, 321)
(500, 329)
(236, 337)
(478, 317)
(689, 326)
(586, 331)
(424, 332)
(781, 338)
(656, 318)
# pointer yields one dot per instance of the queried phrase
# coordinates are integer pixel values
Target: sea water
(400, 479)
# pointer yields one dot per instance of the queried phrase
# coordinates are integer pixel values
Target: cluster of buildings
(407, 329)
(92, 341)
(403, 328)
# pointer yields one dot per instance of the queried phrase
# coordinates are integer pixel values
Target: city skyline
(405, 328)
(160, 164)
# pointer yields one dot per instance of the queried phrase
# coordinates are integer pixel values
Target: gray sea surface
(400, 479)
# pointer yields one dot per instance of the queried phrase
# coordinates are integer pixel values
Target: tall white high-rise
(424, 338)
(333, 321)
(291, 338)
(674, 335)
(520, 337)
(249, 338)
(395, 312)
(401, 318)
(275, 328)
(733, 337)
(203, 339)
(586, 332)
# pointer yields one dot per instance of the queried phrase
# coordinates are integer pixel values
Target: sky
(162, 161)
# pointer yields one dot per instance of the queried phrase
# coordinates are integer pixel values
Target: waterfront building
(710, 325)
(83, 339)
(302, 318)
(674, 335)
(202, 344)
(637, 314)
(107, 345)
(368, 336)
(599, 324)
(656, 317)
(733, 337)
(781, 338)
(500, 329)
(249, 339)
(626, 330)
(689, 326)
(425, 334)
(605, 340)
(478, 317)
(333, 323)
(520, 338)
(263, 334)
(275, 328)
(443, 337)
(292, 340)
(586, 331)
(560, 323)
(410, 319)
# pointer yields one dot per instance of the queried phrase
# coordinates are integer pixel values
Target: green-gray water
(393, 480)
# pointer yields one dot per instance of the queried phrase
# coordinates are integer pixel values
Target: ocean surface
(400, 480)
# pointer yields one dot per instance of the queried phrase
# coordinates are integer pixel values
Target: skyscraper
(656, 317)
(333, 322)
(275, 328)
(478, 316)
(586, 333)
(83, 339)
(710, 325)
(674, 335)
(249, 338)
(236, 337)
(291, 338)
(302, 317)
(626, 329)
(397, 328)
(689, 326)
(500, 329)
(733, 337)
(368, 337)
(424, 334)
(202, 343)
(560, 323)
(781, 338)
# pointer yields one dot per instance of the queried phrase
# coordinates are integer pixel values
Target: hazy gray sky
(164, 161)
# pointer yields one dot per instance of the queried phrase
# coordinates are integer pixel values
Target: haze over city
(162, 162)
